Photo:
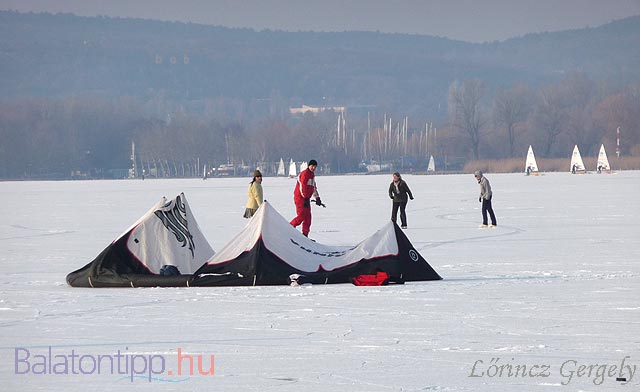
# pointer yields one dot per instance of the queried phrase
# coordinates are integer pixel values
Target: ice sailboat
(530, 165)
(603, 161)
(292, 169)
(281, 168)
(431, 168)
(577, 166)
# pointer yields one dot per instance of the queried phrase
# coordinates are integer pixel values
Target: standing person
(305, 188)
(485, 199)
(254, 195)
(398, 191)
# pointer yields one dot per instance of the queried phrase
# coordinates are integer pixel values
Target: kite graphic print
(173, 216)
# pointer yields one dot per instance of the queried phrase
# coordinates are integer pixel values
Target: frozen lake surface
(548, 300)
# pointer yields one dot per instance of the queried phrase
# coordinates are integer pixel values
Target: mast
(133, 172)
(618, 142)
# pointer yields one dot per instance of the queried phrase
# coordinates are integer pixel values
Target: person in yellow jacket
(254, 195)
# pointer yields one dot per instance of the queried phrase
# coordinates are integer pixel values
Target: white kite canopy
(603, 161)
(166, 238)
(281, 168)
(577, 166)
(268, 251)
(168, 234)
(530, 165)
(292, 169)
(288, 244)
(432, 165)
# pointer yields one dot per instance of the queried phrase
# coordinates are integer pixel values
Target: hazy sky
(468, 20)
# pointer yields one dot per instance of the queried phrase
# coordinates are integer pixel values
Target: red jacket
(305, 186)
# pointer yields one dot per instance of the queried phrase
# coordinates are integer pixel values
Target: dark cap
(257, 173)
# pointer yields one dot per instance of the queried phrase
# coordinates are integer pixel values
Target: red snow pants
(304, 217)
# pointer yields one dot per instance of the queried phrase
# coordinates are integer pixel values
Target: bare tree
(465, 110)
(580, 96)
(620, 110)
(510, 108)
(550, 116)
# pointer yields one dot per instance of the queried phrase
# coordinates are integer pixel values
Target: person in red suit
(302, 193)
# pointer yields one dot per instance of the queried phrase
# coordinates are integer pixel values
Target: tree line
(91, 136)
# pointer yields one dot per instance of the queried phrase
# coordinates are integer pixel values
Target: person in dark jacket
(398, 191)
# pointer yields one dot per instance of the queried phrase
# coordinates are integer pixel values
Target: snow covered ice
(552, 290)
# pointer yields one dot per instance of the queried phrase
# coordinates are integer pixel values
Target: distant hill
(62, 55)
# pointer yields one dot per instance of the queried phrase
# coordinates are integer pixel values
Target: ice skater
(398, 191)
(485, 199)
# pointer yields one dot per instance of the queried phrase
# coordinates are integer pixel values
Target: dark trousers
(486, 207)
(394, 212)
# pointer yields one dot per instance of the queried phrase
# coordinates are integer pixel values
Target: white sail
(303, 166)
(530, 165)
(281, 168)
(292, 169)
(576, 161)
(603, 161)
(432, 165)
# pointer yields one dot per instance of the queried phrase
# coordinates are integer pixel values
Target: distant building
(316, 109)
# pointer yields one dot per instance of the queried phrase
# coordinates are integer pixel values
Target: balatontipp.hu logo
(123, 364)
